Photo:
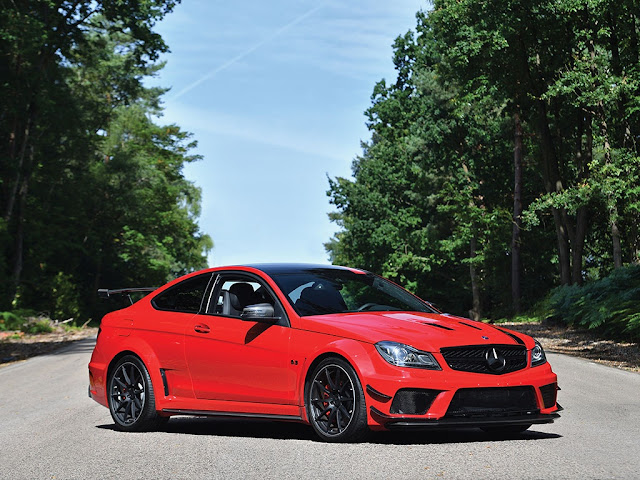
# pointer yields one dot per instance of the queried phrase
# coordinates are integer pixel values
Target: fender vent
(164, 382)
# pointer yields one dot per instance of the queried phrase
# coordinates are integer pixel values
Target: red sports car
(338, 348)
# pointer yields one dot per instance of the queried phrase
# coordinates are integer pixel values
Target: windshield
(323, 291)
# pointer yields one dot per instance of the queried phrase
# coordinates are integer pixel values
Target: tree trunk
(517, 216)
(14, 191)
(475, 312)
(553, 184)
(633, 39)
(611, 200)
(615, 236)
(18, 259)
(550, 168)
(584, 158)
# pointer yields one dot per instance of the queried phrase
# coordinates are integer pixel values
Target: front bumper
(446, 391)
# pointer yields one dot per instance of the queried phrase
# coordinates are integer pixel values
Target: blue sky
(274, 93)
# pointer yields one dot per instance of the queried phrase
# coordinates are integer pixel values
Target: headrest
(244, 292)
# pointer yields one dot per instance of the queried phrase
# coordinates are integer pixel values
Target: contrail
(250, 50)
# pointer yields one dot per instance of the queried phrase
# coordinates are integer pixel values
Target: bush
(611, 305)
(15, 319)
(10, 321)
(38, 325)
(26, 321)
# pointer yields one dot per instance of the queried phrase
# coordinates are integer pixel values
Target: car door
(163, 330)
(237, 360)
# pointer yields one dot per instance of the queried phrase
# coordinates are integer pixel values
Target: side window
(184, 297)
(237, 292)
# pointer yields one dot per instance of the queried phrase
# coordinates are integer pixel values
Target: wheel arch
(351, 351)
(114, 361)
(316, 362)
(145, 354)
(356, 429)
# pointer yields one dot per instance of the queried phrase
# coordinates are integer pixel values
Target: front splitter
(446, 423)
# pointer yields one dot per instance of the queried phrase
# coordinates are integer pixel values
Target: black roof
(278, 268)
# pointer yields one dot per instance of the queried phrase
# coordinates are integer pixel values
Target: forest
(503, 169)
(502, 175)
(91, 185)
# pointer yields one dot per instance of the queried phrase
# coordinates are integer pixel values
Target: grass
(522, 318)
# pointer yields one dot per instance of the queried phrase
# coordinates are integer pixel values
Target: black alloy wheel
(335, 402)
(131, 398)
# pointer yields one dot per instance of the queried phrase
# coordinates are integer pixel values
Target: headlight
(402, 355)
(537, 355)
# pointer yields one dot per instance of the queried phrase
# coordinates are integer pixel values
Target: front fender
(353, 351)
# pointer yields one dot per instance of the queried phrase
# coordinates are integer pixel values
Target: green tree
(424, 208)
(92, 189)
(567, 68)
(434, 188)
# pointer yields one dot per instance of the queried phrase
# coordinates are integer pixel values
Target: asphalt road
(49, 428)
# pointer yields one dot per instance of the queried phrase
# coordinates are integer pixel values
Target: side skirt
(209, 413)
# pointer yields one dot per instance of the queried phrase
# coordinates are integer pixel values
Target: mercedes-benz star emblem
(495, 361)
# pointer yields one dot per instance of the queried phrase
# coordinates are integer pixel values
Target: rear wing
(106, 293)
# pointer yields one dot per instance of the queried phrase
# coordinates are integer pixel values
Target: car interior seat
(320, 299)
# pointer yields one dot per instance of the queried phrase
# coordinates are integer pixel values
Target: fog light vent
(413, 401)
(549, 394)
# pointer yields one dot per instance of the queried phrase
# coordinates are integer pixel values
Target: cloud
(351, 39)
(246, 52)
(312, 141)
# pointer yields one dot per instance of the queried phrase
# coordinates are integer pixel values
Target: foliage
(91, 192)
(10, 321)
(26, 321)
(37, 325)
(431, 200)
(609, 305)
(523, 318)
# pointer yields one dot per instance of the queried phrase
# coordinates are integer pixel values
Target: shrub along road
(51, 429)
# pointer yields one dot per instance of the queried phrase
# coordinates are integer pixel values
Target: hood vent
(437, 325)
(470, 326)
(518, 340)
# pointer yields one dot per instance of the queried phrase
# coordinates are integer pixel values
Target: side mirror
(260, 312)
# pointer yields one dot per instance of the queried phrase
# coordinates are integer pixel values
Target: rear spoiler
(106, 293)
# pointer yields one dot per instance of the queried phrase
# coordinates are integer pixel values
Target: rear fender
(143, 350)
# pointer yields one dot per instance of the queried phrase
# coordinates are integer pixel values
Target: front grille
(492, 402)
(413, 401)
(492, 359)
(549, 394)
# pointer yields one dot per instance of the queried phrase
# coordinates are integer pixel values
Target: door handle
(202, 328)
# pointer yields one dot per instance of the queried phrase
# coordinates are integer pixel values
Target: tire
(505, 430)
(131, 398)
(335, 402)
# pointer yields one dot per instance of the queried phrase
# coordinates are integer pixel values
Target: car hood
(424, 331)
